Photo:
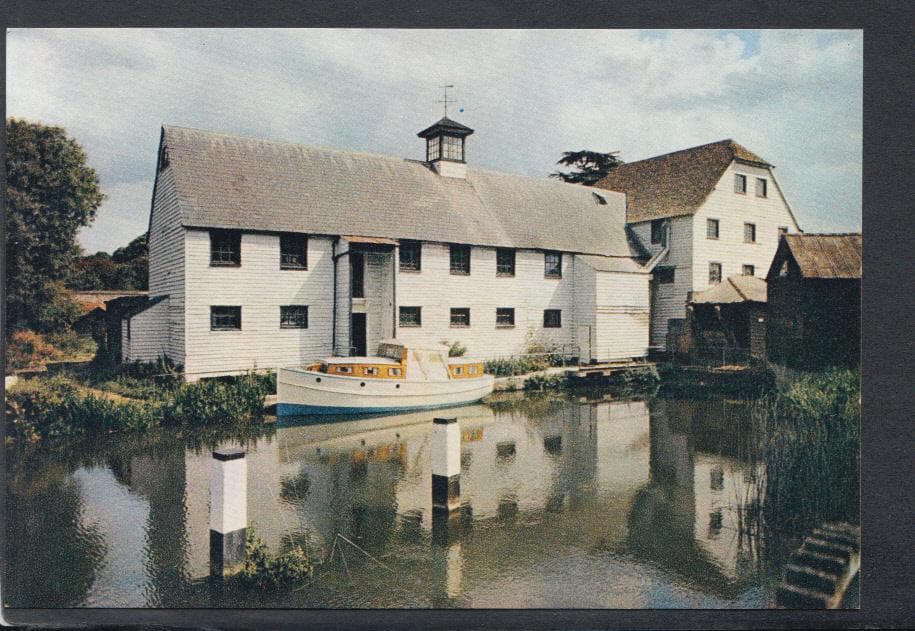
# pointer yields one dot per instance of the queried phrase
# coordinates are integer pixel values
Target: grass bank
(804, 449)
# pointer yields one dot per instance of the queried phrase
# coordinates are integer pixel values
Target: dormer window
(433, 148)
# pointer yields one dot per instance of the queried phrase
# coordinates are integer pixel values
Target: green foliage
(590, 166)
(516, 366)
(265, 571)
(40, 409)
(54, 310)
(806, 438)
(641, 377)
(51, 193)
(57, 407)
(137, 380)
(127, 268)
(456, 349)
(212, 402)
(545, 382)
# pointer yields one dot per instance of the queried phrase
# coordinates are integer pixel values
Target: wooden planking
(166, 262)
(149, 334)
(732, 210)
(436, 290)
(621, 314)
(260, 288)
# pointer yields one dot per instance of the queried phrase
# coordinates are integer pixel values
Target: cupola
(445, 143)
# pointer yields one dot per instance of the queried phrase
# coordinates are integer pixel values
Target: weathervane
(445, 100)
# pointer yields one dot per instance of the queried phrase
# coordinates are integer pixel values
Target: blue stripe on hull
(296, 409)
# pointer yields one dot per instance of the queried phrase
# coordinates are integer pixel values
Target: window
(411, 316)
(505, 262)
(371, 371)
(294, 317)
(452, 148)
(458, 370)
(657, 231)
(460, 259)
(749, 270)
(714, 272)
(600, 200)
(749, 233)
(225, 318)
(225, 247)
(460, 317)
(740, 183)
(433, 148)
(345, 369)
(711, 228)
(552, 264)
(505, 317)
(471, 370)
(782, 230)
(762, 187)
(664, 274)
(394, 372)
(357, 274)
(552, 318)
(411, 256)
(293, 251)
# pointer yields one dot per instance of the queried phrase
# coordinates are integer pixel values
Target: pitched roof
(446, 124)
(733, 289)
(675, 183)
(613, 264)
(226, 181)
(823, 255)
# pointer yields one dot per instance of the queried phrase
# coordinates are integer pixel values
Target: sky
(793, 97)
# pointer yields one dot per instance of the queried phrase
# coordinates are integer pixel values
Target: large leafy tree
(127, 268)
(51, 192)
(589, 166)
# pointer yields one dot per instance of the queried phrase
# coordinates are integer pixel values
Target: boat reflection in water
(549, 503)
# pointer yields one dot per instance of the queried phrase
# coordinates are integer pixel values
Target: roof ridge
(736, 287)
(671, 153)
(824, 234)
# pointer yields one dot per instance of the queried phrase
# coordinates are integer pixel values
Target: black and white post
(228, 511)
(446, 464)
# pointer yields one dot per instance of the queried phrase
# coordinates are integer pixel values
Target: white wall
(732, 210)
(586, 310)
(436, 290)
(621, 314)
(149, 334)
(166, 263)
(670, 299)
(259, 287)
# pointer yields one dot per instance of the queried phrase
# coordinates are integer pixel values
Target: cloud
(793, 97)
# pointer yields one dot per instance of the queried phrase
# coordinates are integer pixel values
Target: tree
(127, 268)
(51, 192)
(591, 166)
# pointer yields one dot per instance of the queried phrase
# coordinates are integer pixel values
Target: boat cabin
(395, 361)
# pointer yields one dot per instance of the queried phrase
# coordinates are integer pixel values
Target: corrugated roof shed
(675, 183)
(227, 181)
(733, 289)
(826, 255)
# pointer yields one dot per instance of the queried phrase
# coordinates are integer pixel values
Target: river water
(564, 503)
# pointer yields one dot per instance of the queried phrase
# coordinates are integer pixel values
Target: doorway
(357, 275)
(358, 335)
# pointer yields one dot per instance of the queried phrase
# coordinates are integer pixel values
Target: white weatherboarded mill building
(267, 254)
(705, 214)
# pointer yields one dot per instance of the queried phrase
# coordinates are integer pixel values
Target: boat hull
(301, 391)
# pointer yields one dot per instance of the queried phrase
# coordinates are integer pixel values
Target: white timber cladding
(621, 316)
(379, 298)
(259, 287)
(436, 290)
(733, 210)
(166, 263)
(149, 334)
(668, 300)
(586, 304)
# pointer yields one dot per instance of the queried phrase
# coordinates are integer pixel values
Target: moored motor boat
(396, 379)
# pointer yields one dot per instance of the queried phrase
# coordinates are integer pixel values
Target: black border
(887, 292)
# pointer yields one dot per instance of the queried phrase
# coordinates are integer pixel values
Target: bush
(642, 377)
(516, 366)
(212, 402)
(137, 380)
(456, 349)
(57, 407)
(264, 571)
(71, 344)
(29, 350)
(545, 382)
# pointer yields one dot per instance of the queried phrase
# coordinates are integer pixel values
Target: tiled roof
(733, 289)
(826, 255)
(613, 264)
(675, 183)
(226, 181)
(446, 124)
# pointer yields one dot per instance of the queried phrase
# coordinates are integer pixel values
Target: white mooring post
(228, 511)
(446, 464)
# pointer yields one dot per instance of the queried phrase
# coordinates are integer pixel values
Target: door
(358, 334)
